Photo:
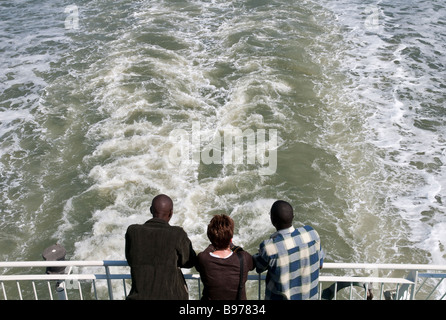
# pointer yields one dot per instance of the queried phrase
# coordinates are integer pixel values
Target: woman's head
(220, 231)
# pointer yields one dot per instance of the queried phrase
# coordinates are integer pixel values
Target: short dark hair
(162, 207)
(220, 231)
(282, 214)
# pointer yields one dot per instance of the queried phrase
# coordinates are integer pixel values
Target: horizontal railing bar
(47, 277)
(112, 276)
(116, 263)
(432, 275)
(123, 263)
(383, 266)
(363, 279)
(65, 263)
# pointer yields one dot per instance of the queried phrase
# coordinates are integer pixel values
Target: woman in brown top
(220, 265)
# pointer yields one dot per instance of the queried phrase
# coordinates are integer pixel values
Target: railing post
(335, 291)
(109, 284)
(366, 288)
(260, 285)
(415, 280)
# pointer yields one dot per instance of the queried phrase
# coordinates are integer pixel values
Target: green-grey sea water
(90, 95)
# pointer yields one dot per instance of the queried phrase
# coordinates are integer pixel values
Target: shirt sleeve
(249, 261)
(322, 256)
(261, 259)
(321, 251)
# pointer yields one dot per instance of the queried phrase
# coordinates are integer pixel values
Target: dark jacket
(221, 276)
(155, 252)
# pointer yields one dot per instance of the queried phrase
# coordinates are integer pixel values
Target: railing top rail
(123, 263)
(47, 277)
(64, 263)
(364, 279)
(383, 266)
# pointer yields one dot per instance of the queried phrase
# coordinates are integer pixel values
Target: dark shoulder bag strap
(240, 285)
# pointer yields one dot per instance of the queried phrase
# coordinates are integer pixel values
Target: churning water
(91, 92)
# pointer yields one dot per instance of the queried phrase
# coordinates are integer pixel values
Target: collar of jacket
(157, 220)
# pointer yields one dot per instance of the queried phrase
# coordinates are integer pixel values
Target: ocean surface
(105, 104)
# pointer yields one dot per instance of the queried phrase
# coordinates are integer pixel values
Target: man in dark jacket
(155, 252)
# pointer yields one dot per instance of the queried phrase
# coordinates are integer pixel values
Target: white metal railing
(95, 280)
(401, 281)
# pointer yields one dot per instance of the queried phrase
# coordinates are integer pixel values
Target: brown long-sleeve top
(220, 276)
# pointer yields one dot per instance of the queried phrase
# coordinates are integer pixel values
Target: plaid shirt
(293, 258)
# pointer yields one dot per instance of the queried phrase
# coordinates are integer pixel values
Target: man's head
(162, 207)
(282, 215)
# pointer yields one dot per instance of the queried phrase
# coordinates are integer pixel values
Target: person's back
(155, 252)
(221, 275)
(292, 257)
(295, 255)
(222, 267)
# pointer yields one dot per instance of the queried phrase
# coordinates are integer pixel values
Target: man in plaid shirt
(292, 257)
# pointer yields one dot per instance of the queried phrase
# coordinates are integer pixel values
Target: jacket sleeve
(128, 246)
(186, 254)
